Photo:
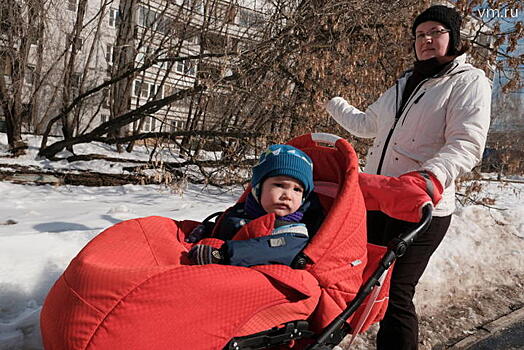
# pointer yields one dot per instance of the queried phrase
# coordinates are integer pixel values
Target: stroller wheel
(275, 336)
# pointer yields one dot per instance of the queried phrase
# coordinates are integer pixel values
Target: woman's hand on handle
(400, 197)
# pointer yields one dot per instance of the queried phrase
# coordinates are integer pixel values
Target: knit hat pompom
(283, 160)
(449, 18)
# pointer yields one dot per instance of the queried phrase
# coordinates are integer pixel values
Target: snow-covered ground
(54, 223)
(476, 274)
(30, 158)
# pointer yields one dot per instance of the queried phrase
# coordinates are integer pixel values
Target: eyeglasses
(432, 34)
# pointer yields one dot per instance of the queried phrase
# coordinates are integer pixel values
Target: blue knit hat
(283, 160)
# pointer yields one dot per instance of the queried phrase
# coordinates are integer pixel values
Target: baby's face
(281, 195)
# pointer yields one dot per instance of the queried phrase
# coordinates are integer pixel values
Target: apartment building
(182, 28)
(85, 56)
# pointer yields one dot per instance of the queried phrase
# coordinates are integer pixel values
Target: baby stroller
(132, 286)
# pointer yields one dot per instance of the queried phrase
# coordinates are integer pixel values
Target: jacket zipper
(419, 97)
(399, 113)
(397, 118)
(414, 103)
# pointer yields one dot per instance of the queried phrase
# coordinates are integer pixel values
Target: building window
(185, 67)
(150, 52)
(195, 6)
(161, 56)
(177, 125)
(147, 90)
(114, 17)
(141, 89)
(165, 25)
(247, 18)
(147, 17)
(180, 67)
(155, 20)
(30, 75)
(78, 43)
(140, 58)
(76, 80)
(106, 97)
(195, 40)
(71, 5)
(110, 54)
(149, 124)
(156, 91)
(485, 39)
(170, 90)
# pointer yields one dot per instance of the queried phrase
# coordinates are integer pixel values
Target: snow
(482, 246)
(43, 227)
(54, 223)
(30, 159)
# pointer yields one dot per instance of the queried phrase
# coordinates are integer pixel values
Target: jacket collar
(451, 68)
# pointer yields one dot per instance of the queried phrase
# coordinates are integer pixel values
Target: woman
(435, 119)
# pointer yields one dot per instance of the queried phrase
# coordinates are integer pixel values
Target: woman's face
(431, 40)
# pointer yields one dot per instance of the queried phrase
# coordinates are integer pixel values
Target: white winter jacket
(442, 128)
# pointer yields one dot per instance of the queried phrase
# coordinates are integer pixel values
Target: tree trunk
(38, 33)
(124, 60)
(13, 127)
(68, 121)
(11, 98)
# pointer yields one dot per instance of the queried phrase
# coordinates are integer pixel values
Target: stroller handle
(401, 243)
(324, 137)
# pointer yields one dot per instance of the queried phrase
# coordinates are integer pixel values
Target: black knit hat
(449, 18)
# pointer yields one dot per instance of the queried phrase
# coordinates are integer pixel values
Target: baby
(282, 183)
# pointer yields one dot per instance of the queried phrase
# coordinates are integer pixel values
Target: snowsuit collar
(254, 210)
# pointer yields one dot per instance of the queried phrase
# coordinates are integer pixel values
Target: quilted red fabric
(132, 286)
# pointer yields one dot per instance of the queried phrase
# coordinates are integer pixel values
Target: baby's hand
(197, 234)
(202, 254)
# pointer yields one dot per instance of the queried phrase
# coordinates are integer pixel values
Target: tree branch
(109, 82)
(118, 122)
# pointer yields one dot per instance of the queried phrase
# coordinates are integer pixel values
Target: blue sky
(507, 17)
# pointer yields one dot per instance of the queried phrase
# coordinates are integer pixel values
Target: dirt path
(456, 321)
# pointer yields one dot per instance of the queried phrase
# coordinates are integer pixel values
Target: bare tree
(496, 38)
(73, 44)
(39, 47)
(124, 60)
(15, 36)
(218, 75)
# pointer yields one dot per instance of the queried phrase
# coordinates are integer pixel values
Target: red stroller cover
(132, 286)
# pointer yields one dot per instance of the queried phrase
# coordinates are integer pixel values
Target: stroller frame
(131, 269)
(335, 332)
